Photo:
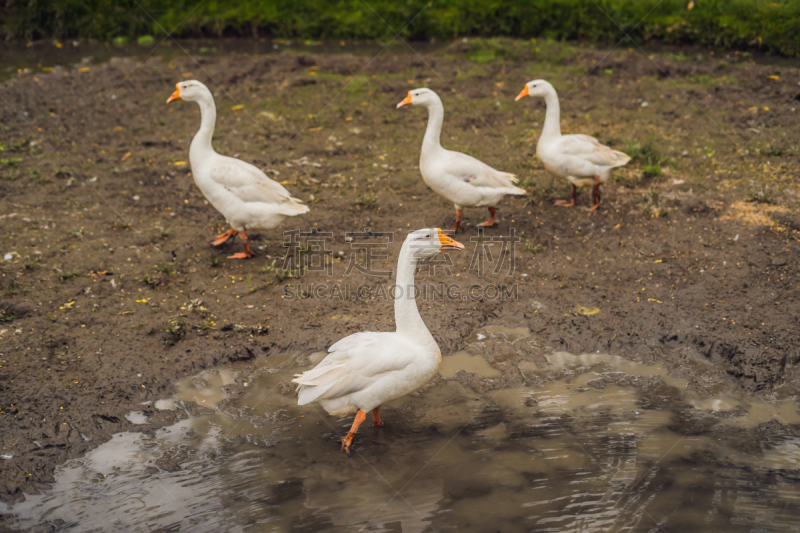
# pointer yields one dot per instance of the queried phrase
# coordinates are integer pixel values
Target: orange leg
(248, 253)
(459, 214)
(224, 237)
(572, 199)
(492, 218)
(376, 417)
(348, 440)
(596, 193)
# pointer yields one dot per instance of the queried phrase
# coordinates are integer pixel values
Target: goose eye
(427, 236)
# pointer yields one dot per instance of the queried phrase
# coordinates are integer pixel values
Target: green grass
(166, 268)
(367, 201)
(769, 25)
(175, 331)
(649, 159)
(535, 249)
(69, 274)
(652, 171)
(763, 195)
(646, 154)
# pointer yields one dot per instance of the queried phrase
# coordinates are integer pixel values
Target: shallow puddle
(467, 361)
(589, 442)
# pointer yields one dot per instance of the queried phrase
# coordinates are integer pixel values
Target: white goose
(581, 159)
(460, 178)
(367, 369)
(243, 194)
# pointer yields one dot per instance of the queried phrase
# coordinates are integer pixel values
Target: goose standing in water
(367, 369)
(243, 194)
(581, 159)
(458, 177)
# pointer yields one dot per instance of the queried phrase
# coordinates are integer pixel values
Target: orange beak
(448, 243)
(406, 101)
(523, 94)
(176, 95)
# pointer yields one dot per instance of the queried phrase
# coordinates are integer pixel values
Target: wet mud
(111, 292)
(590, 442)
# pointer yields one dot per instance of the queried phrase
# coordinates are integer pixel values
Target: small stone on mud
(195, 409)
(171, 459)
(200, 383)
(233, 390)
(599, 383)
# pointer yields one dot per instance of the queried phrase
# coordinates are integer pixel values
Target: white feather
(460, 178)
(241, 192)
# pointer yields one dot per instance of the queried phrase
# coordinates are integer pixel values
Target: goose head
(422, 96)
(190, 90)
(428, 242)
(536, 88)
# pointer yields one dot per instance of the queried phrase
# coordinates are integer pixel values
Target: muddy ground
(111, 290)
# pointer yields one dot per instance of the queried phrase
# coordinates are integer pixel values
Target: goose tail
(294, 207)
(510, 177)
(620, 159)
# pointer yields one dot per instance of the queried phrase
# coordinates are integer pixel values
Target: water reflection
(588, 442)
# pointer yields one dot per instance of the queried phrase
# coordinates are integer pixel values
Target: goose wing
(589, 149)
(248, 183)
(477, 173)
(353, 364)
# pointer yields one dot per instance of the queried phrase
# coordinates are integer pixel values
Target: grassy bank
(754, 24)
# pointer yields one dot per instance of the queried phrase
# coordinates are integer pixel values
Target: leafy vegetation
(763, 195)
(650, 159)
(175, 330)
(768, 25)
(652, 171)
(367, 201)
(646, 154)
(69, 274)
(166, 268)
(281, 273)
(535, 249)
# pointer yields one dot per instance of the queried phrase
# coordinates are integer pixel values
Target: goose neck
(552, 119)
(201, 144)
(432, 140)
(406, 313)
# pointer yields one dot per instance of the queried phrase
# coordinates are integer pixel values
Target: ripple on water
(594, 442)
